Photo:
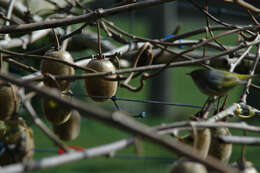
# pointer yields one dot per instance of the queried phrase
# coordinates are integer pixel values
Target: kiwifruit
(17, 141)
(218, 149)
(70, 129)
(184, 166)
(199, 139)
(54, 112)
(202, 141)
(98, 87)
(9, 101)
(57, 68)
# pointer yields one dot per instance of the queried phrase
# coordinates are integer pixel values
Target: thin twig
(252, 17)
(252, 71)
(228, 111)
(21, 65)
(88, 18)
(245, 5)
(188, 125)
(237, 62)
(137, 69)
(65, 43)
(38, 57)
(232, 26)
(23, 40)
(8, 16)
(9, 20)
(129, 78)
(209, 27)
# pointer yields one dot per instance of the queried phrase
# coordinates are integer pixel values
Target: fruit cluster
(16, 138)
(65, 122)
(17, 143)
(206, 142)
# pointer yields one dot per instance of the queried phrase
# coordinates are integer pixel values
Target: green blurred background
(181, 89)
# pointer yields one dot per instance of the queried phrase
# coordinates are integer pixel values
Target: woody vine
(209, 142)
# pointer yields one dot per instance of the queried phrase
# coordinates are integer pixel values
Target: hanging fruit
(57, 68)
(218, 149)
(70, 129)
(54, 112)
(98, 88)
(199, 140)
(17, 142)
(9, 101)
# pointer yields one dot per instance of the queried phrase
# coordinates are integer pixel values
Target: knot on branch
(117, 116)
(121, 116)
(98, 12)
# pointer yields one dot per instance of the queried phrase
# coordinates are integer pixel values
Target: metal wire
(115, 98)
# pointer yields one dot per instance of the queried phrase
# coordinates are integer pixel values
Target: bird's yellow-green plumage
(230, 78)
(217, 82)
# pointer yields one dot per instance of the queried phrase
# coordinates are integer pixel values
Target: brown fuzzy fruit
(9, 101)
(98, 86)
(70, 129)
(57, 68)
(188, 167)
(55, 112)
(202, 141)
(219, 150)
(199, 139)
(17, 141)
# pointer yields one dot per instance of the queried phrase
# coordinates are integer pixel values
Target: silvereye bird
(217, 82)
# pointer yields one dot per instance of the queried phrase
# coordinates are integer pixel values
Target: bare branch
(24, 40)
(8, 16)
(142, 68)
(19, 10)
(238, 61)
(124, 122)
(70, 157)
(245, 5)
(228, 111)
(246, 140)
(90, 17)
(252, 71)
(38, 57)
(188, 125)
(21, 65)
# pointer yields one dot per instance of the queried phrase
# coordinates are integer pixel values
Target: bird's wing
(220, 80)
(229, 81)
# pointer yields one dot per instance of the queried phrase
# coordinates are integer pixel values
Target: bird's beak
(188, 73)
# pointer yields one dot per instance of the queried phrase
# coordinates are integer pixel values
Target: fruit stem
(1, 62)
(243, 150)
(99, 42)
(57, 47)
